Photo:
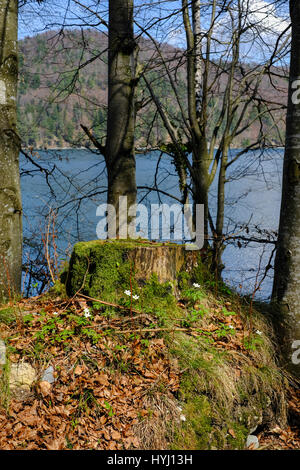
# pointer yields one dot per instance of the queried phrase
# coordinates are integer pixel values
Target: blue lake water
(76, 185)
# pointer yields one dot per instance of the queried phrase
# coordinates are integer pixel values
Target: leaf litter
(110, 390)
(100, 382)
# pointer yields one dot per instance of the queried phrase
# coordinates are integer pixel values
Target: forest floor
(110, 394)
(289, 437)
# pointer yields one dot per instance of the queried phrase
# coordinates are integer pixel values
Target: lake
(76, 184)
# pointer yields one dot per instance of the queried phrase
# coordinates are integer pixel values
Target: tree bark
(119, 150)
(286, 288)
(198, 53)
(10, 194)
(194, 93)
(218, 243)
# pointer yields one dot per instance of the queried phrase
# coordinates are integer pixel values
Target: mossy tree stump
(102, 268)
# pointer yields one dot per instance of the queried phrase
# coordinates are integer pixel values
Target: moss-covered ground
(137, 366)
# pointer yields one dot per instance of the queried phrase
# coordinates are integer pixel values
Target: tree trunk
(198, 53)
(218, 246)
(200, 176)
(10, 195)
(200, 187)
(119, 150)
(286, 288)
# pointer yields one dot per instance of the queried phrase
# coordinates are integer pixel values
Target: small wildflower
(182, 418)
(55, 313)
(135, 297)
(196, 285)
(230, 326)
(127, 292)
(86, 313)
(258, 332)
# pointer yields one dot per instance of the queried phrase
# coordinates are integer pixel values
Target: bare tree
(286, 287)
(223, 99)
(10, 195)
(119, 148)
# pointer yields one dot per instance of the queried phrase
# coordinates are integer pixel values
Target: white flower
(196, 285)
(258, 332)
(86, 313)
(230, 326)
(182, 418)
(128, 292)
(55, 313)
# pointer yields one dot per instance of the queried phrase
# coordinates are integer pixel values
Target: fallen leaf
(45, 388)
(78, 370)
(116, 435)
(56, 444)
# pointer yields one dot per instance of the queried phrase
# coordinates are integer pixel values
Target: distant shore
(138, 150)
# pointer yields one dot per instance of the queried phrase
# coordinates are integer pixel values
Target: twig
(110, 304)
(155, 330)
(137, 317)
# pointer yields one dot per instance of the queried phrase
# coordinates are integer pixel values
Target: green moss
(158, 298)
(100, 269)
(58, 289)
(195, 432)
(7, 315)
(4, 384)
(237, 439)
(184, 280)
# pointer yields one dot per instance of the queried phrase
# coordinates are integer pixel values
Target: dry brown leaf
(112, 445)
(78, 370)
(45, 388)
(276, 430)
(55, 444)
(115, 435)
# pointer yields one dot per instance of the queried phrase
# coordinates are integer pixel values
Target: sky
(270, 18)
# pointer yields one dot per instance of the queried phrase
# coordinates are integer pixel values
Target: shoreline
(138, 150)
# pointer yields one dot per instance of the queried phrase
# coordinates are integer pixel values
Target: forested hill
(63, 83)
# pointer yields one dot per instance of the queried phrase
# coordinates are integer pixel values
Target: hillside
(63, 83)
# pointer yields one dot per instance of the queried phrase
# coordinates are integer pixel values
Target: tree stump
(100, 268)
